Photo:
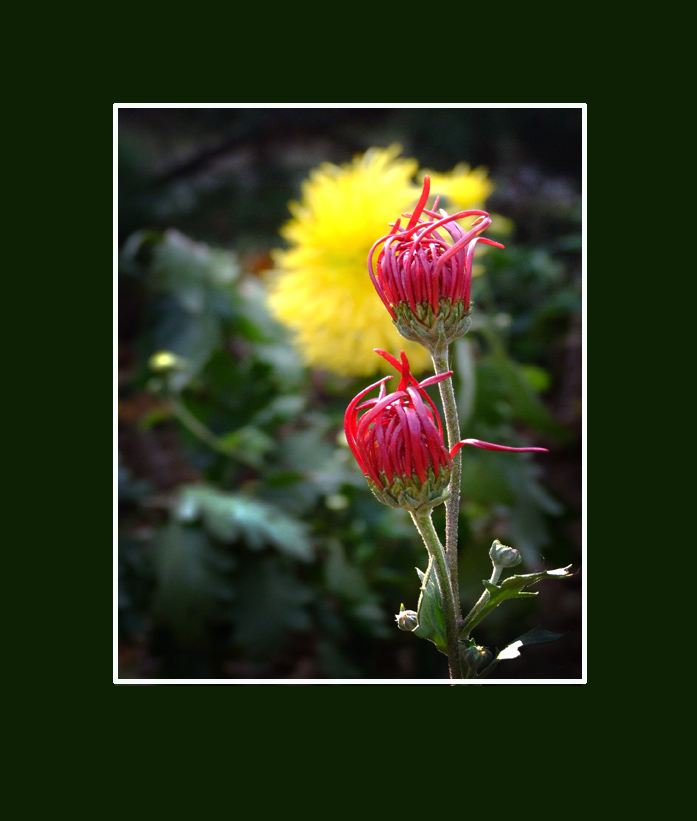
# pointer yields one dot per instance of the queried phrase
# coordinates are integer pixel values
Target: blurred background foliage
(249, 543)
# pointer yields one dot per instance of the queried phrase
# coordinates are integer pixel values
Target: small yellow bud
(165, 361)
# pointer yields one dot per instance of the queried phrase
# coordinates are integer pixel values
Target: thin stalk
(471, 619)
(424, 524)
(452, 506)
(196, 427)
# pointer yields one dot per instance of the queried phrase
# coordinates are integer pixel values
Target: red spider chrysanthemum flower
(423, 274)
(398, 441)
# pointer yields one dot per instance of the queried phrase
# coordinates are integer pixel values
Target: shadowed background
(249, 543)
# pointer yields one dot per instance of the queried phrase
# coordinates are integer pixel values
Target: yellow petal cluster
(464, 187)
(320, 287)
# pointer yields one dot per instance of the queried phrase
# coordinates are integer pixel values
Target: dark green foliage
(430, 611)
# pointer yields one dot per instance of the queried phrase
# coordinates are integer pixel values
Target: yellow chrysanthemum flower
(464, 187)
(320, 288)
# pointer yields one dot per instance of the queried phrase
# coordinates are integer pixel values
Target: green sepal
(427, 328)
(510, 588)
(430, 610)
(408, 493)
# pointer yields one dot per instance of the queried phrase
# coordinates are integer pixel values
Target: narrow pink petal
(432, 380)
(382, 452)
(350, 420)
(404, 432)
(477, 443)
(417, 447)
(421, 203)
(434, 440)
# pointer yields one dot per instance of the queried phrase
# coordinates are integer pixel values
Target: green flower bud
(407, 619)
(502, 556)
(475, 656)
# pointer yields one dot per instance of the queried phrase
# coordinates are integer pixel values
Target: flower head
(423, 273)
(398, 442)
(319, 288)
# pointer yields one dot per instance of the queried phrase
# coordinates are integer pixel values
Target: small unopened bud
(163, 361)
(502, 556)
(407, 619)
(475, 657)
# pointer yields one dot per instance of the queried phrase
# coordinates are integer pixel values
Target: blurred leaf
(247, 445)
(526, 405)
(270, 603)
(538, 378)
(280, 409)
(334, 663)
(532, 504)
(231, 517)
(135, 581)
(509, 380)
(343, 578)
(192, 337)
(346, 580)
(193, 297)
(430, 610)
(192, 590)
(371, 617)
(271, 340)
(319, 467)
(186, 268)
(129, 488)
(484, 477)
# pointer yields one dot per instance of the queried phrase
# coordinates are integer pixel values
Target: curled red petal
(421, 203)
(417, 446)
(432, 380)
(477, 443)
(350, 420)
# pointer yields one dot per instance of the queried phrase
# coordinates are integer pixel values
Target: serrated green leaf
(510, 588)
(183, 265)
(430, 610)
(247, 445)
(231, 517)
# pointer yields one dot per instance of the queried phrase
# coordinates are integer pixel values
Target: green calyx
(409, 493)
(428, 328)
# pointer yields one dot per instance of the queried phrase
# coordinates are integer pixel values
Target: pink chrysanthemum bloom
(398, 441)
(423, 274)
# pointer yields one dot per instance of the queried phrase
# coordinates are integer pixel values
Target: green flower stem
(196, 427)
(424, 524)
(440, 358)
(471, 619)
